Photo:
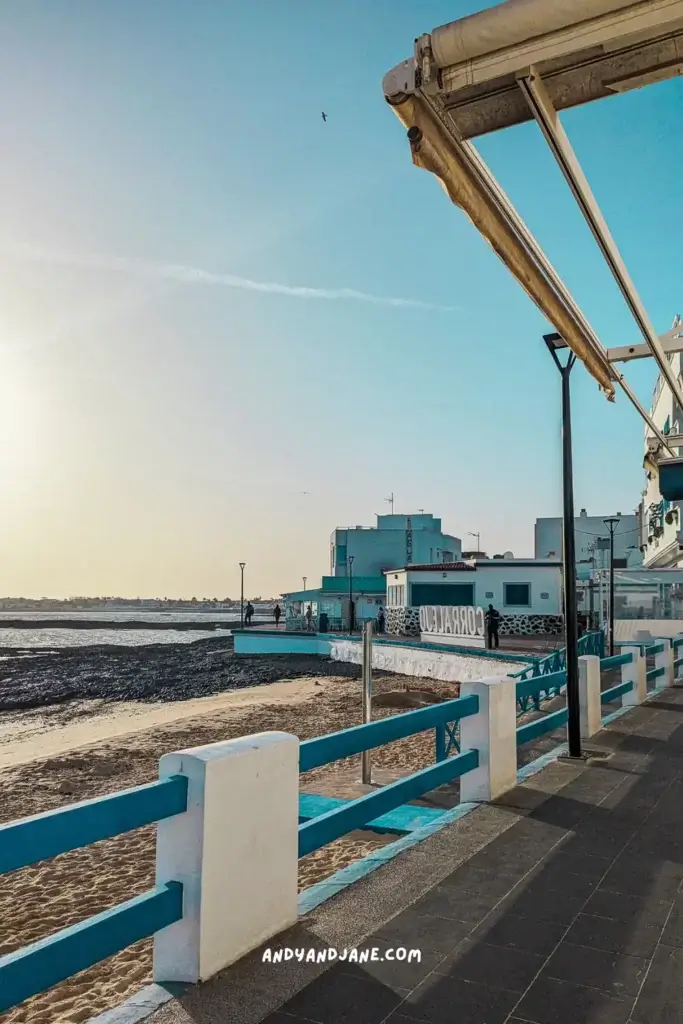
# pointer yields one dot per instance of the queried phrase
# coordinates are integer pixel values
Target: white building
(526, 592)
(395, 540)
(591, 537)
(661, 539)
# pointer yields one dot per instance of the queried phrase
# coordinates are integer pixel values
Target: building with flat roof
(527, 593)
(396, 539)
(332, 599)
(591, 537)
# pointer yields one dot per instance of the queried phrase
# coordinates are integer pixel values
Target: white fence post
(235, 850)
(635, 672)
(665, 660)
(589, 695)
(493, 732)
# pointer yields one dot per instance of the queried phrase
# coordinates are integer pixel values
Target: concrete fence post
(635, 672)
(493, 732)
(235, 850)
(665, 660)
(589, 695)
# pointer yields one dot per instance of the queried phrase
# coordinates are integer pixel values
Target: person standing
(492, 624)
(249, 614)
(277, 612)
(380, 620)
(309, 618)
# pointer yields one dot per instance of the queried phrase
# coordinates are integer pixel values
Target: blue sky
(158, 427)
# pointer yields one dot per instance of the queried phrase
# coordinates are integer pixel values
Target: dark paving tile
(673, 930)
(646, 879)
(460, 904)
(405, 974)
(556, 1002)
(579, 864)
(553, 879)
(494, 966)
(661, 1000)
(495, 882)
(423, 931)
(621, 907)
(524, 933)
(279, 1018)
(614, 936)
(615, 973)
(542, 904)
(440, 1001)
(336, 997)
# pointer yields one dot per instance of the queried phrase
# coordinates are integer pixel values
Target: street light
(611, 523)
(304, 578)
(554, 343)
(242, 565)
(478, 536)
(350, 561)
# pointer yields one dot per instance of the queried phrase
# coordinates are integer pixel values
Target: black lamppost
(350, 561)
(611, 523)
(304, 578)
(555, 343)
(242, 565)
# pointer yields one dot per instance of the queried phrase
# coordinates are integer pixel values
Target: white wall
(409, 661)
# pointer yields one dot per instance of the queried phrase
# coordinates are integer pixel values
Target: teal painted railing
(589, 643)
(353, 814)
(37, 967)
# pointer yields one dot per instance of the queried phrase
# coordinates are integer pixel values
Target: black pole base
(586, 757)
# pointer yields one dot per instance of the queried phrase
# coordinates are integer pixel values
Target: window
(442, 594)
(517, 595)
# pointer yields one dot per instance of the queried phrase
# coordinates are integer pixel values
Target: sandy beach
(51, 756)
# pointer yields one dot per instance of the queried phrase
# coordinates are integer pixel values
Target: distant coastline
(94, 623)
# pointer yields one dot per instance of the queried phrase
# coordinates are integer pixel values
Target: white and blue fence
(222, 890)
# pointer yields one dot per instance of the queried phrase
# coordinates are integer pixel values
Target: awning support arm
(546, 116)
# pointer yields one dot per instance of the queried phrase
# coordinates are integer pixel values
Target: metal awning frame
(518, 229)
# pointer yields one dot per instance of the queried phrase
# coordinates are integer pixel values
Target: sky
(211, 301)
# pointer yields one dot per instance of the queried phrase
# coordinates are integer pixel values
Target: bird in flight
(324, 116)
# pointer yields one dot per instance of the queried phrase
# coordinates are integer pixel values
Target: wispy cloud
(196, 275)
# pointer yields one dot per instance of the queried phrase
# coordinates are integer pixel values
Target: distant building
(526, 592)
(591, 537)
(332, 600)
(395, 540)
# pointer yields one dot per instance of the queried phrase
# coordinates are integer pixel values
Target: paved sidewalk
(560, 904)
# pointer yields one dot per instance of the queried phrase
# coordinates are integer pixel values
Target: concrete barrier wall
(448, 667)
(412, 660)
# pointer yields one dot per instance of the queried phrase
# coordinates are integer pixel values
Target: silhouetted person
(380, 620)
(277, 612)
(492, 624)
(249, 613)
(309, 617)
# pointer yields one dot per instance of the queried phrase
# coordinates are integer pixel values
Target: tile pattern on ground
(573, 916)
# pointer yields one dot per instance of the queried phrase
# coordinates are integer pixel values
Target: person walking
(492, 624)
(277, 612)
(309, 617)
(380, 620)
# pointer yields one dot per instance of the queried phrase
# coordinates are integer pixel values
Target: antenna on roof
(390, 501)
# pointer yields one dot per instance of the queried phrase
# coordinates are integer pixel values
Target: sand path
(31, 735)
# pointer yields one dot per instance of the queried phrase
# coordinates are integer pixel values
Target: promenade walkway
(560, 904)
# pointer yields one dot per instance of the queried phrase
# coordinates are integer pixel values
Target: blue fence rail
(37, 967)
(354, 814)
(589, 643)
